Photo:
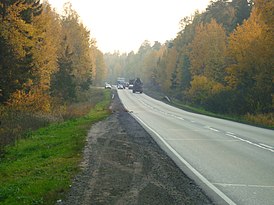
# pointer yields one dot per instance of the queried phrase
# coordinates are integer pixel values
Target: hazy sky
(124, 24)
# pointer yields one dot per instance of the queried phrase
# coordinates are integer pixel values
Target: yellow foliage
(14, 29)
(202, 88)
(207, 55)
(34, 100)
(251, 53)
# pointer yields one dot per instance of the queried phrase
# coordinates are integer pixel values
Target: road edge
(217, 196)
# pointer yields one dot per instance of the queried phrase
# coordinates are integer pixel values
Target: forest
(222, 60)
(48, 62)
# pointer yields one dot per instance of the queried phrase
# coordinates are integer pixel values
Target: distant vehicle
(137, 86)
(131, 82)
(107, 86)
(121, 81)
(120, 86)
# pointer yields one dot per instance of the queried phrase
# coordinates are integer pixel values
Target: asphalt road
(232, 162)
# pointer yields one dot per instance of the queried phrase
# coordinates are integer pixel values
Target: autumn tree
(207, 51)
(181, 44)
(15, 48)
(78, 38)
(63, 82)
(99, 72)
(251, 59)
(243, 9)
(40, 59)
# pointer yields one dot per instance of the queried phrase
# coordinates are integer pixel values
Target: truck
(137, 86)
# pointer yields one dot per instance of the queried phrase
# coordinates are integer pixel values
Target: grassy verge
(262, 120)
(39, 169)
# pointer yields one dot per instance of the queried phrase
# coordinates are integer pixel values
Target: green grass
(39, 169)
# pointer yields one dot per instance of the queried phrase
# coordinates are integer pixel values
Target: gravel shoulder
(123, 165)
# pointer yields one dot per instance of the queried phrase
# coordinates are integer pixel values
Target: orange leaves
(202, 88)
(14, 29)
(207, 51)
(248, 51)
(34, 100)
(251, 53)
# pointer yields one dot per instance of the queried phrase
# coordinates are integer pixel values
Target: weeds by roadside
(39, 168)
(15, 124)
(260, 120)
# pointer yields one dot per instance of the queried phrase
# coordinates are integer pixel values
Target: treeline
(44, 56)
(47, 63)
(221, 60)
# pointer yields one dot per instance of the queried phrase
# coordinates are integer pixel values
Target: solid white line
(198, 174)
(244, 185)
(243, 140)
(190, 139)
(266, 145)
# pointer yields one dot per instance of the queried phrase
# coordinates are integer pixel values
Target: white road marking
(213, 129)
(266, 146)
(252, 143)
(244, 185)
(190, 139)
(194, 171)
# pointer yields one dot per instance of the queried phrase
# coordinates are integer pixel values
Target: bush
(261, 119)
(15, 123)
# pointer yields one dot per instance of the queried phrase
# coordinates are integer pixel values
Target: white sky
(124, 24)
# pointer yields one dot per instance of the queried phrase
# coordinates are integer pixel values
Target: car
(120, 86)
(131, 82)
(107, 86)
(130, 86)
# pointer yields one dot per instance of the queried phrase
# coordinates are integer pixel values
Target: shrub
(261, 119)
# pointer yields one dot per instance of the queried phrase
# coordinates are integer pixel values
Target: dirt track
(123, 165)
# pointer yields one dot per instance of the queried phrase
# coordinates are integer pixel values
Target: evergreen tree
(63, 82)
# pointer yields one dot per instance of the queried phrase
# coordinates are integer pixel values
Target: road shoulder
(123, 165)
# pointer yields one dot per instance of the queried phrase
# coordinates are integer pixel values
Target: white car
(107, 86)
(120, 86)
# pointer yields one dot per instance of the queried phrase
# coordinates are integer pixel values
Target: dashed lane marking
(213, 129)
(194, 171)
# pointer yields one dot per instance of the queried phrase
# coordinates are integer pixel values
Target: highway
(232, 162)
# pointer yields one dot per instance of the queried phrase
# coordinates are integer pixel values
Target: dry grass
(261, 119)
(15, 124)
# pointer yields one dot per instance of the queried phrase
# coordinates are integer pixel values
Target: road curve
(232, 162)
